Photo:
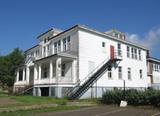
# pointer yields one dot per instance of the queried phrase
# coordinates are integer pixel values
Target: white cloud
(151, 40)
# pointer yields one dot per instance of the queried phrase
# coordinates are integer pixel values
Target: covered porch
(55, 69)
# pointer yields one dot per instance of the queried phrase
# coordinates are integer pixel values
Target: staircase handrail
(89, 75)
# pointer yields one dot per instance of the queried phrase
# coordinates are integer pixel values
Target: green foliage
(39, 110)
(8, 66)
(133, 97)
(36, 99)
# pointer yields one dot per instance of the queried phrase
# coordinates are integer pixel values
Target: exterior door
(112, 53)
(91, 66)
(31, 75)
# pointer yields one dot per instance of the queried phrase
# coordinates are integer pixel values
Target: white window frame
(139, 53)
(120, 72)
(132, 53)
(59, 46)
(141, 73)
(110, 73)
(55, 48)
(68, 43)
(128, 52)
(64, 44)
(103, 44)
(119, 49)
(129, 73)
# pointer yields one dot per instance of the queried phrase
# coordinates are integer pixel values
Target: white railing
(118, 54)
(81, 82)
(65, 80)
(94, 71)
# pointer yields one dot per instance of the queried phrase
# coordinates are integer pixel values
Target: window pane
(120, 72)
(129, 73)
(103, 44)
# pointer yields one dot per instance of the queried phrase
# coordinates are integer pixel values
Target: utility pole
(124, 89)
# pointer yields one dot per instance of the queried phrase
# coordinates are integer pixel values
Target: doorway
(112, 53)
(44, 91)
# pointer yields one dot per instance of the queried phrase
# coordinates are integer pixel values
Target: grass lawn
(40, 110)
(26, 105)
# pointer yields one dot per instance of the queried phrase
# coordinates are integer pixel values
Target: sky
(21, 21)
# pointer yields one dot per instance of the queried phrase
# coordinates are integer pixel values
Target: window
(128, 52)
(48, 47)
(120, 72)
(25, 76)
(116, 35)
(153, 67)
(139, 53)
(59, 46)
(140, 73)
(129, 73)
(64, 44)
(132, 52)
(156, 67)
(63, 70)
(20, 75)
(119, 49)
(110, 72)
(68, 43)
(55, 47)
(45, 40)
(103, 44)
(37, 52)
(44, 50)
(45, 73)
(32, 54)
(135, 53)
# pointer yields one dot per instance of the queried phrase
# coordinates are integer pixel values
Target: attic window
(116, 35)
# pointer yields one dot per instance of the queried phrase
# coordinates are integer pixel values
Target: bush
(133, 97)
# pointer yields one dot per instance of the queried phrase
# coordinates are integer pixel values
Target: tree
(8, 66)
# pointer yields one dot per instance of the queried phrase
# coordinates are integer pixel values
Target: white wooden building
(84, 61)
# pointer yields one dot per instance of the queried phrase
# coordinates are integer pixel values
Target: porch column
(49, 91)
(52, 49)
(34, 91)
(39, 91)
(51, 70)
(23, 74)
(39, 71)
(58, 67)
(27, 74)
(17, 77)
(58, 74)
(74, 71)
(46, 50)
(35, 72)
(61, 45)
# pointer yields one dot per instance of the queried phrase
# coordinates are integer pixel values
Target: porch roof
(62, 55)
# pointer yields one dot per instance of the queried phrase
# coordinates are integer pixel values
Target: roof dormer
(117, 34)
(46, 36)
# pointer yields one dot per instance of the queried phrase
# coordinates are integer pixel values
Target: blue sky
(21, 21)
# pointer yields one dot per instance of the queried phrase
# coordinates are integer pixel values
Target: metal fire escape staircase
(82, 86)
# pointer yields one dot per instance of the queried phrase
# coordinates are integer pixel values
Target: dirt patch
(4, 101)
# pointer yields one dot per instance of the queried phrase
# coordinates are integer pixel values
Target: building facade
(64, 59)
(154, 72)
